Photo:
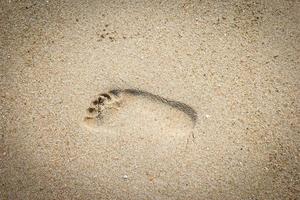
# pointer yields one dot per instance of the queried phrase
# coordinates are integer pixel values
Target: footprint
(138, 110)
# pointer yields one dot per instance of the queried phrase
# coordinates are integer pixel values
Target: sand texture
(156, 100)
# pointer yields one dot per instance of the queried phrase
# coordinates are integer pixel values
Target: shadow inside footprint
(189, 111)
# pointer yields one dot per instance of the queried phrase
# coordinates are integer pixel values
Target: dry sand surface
(234, 63)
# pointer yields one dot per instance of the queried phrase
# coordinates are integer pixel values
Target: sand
(235, 63)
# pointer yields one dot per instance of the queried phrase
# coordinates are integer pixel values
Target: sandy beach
(149, 99)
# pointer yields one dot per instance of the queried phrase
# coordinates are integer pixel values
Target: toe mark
(100, 100)
(91, 110)
(106, 96)
(95, 102)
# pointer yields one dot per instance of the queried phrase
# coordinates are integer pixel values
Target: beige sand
(235, 63)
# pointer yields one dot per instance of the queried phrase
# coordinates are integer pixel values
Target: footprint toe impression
(138, 109)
